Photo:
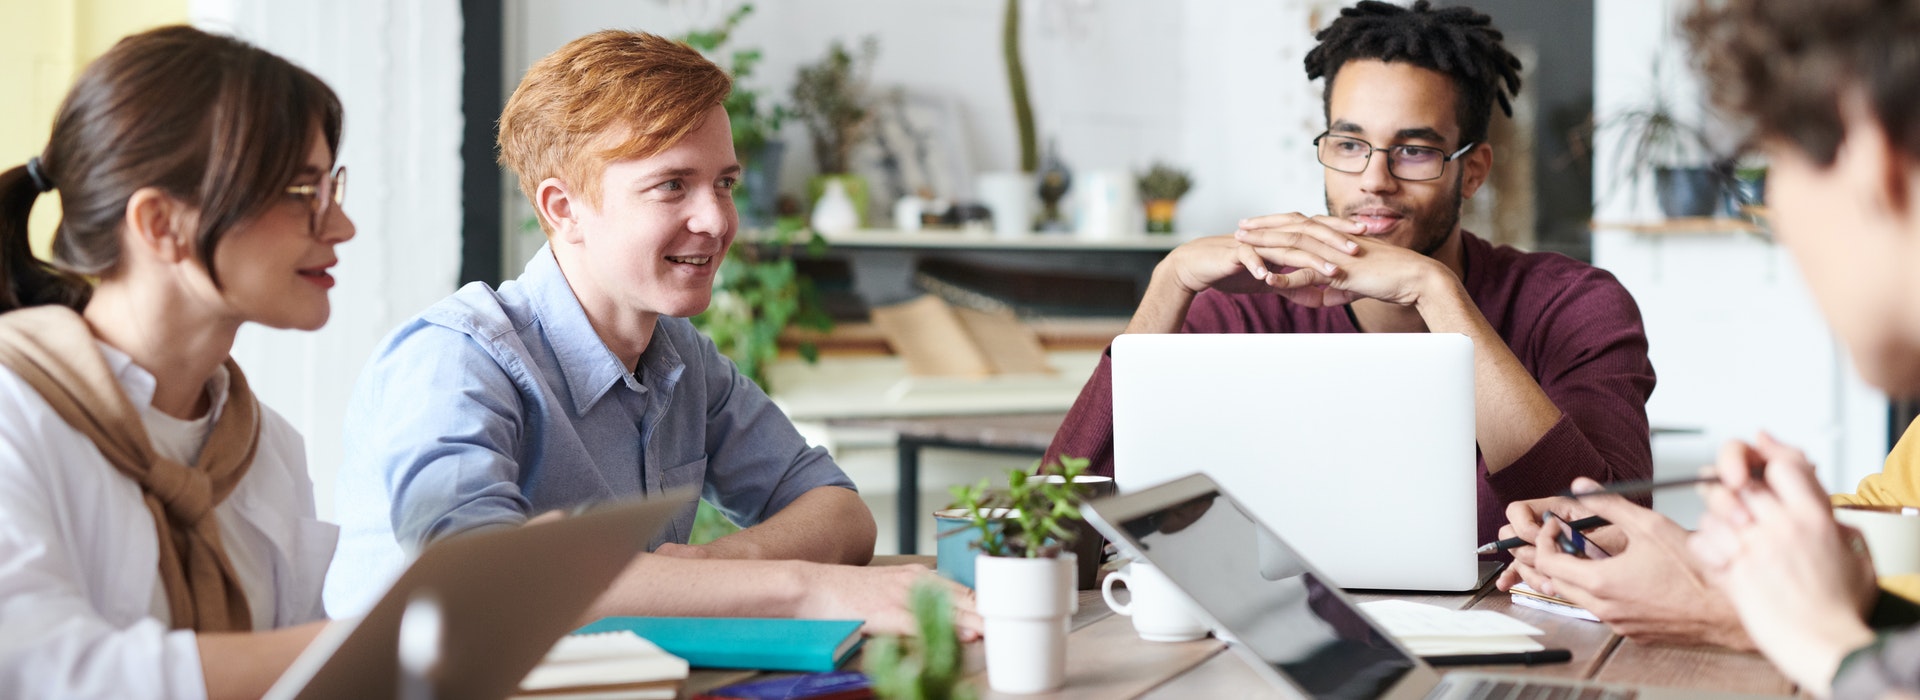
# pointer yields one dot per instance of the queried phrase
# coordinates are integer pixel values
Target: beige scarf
(53, 349)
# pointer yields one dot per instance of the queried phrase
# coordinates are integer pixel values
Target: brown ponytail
(24, 279)
(210, 120)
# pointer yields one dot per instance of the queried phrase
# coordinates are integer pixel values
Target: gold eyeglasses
(321, 198)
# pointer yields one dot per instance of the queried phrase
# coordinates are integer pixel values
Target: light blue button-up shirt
(493, 406)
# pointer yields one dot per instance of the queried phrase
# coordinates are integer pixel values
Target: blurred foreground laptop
(504, 597)
(1279, 613)
(1358, 447)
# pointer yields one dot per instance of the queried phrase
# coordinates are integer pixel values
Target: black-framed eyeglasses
(322, 198)
(1412, 163)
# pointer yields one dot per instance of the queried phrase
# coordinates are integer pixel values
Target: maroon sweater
(1572, 325)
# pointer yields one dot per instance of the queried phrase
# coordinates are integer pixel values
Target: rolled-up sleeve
(437, 419)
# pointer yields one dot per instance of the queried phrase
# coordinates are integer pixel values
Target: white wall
(1217, 87)
(397, 68)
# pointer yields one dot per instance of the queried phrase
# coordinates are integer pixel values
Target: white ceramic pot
(1026, 605)
(1011, 198)
(835, 212)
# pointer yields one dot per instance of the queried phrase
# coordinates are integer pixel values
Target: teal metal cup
(953, 557)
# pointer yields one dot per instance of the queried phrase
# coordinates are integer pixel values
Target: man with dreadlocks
(1560, 358)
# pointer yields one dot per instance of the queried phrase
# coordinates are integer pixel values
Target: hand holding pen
(1581, 525)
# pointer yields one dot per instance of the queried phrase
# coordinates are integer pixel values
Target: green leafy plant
(831, 98)
(758, 293)
(753, 125)
(1163, 181)
(927, 667)
(1029, 518)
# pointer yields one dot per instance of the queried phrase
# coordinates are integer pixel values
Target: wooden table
(1105, 659)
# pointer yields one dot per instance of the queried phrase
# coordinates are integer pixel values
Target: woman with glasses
(157, 528)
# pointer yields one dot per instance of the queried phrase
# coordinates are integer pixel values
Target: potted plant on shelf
(1025, 574)
(1010, 195)
(1161, 188)
(831, 98)
(1656, 141)
(754, 126)
(924, 667)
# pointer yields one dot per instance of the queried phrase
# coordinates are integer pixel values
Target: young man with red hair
(582, 380)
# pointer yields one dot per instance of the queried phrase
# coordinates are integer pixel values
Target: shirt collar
(140, 385)
(590, 369)
(588, 366)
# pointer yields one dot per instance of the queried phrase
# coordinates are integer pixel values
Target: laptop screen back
(1310, 429)
(1262, 593)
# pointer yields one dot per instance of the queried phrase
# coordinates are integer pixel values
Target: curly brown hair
(1787, 66)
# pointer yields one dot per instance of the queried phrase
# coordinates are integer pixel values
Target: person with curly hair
(1561, 374)
(1829, 90)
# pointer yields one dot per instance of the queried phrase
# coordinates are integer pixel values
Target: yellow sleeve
(1898, 483)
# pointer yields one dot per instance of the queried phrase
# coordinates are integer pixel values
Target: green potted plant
(1025, 574)
(1655, 144)
(759, 293)
(1161, 188)
(831, 99)
(925, 667)
(755, 127)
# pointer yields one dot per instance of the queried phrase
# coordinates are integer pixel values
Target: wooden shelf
(857, 338)
(988, 240)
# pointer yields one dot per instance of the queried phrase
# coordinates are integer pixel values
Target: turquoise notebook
(765, 644)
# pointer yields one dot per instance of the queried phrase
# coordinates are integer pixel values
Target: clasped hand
(1312, 261)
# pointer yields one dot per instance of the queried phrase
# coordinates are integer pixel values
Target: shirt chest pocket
(690, 475)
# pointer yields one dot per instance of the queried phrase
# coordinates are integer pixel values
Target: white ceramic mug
(1892, 533)
(1161, 612)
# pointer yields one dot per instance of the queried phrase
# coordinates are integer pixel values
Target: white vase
(1027, 605)
(1011, 197)
(834, 213)
(1107, 205)
(906, 213)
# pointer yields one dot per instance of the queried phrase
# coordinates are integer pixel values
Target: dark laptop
(1279, 613)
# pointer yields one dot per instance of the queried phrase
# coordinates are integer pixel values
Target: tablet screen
(1260, 590)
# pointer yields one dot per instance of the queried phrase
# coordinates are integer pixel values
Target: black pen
(1529, 658)
(1583, 525)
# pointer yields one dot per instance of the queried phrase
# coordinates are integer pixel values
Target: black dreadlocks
(1456, 41)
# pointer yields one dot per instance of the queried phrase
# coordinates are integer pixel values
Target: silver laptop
(1339, 440)
(1280, 613)
(503, 597)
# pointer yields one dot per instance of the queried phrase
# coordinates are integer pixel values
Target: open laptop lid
(1276, 610)
(504, 596)
(1311, 429)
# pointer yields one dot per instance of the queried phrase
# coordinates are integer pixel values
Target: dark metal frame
(481, 234)
(908, 500)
